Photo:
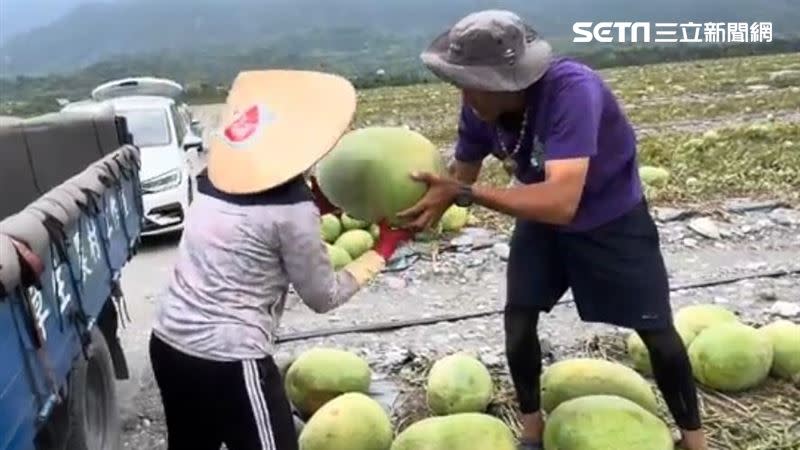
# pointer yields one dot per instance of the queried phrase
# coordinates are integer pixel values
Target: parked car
(170, 142)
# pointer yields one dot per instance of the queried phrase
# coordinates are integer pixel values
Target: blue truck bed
(70, 195)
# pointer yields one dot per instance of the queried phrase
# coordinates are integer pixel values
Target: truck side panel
(84, 230)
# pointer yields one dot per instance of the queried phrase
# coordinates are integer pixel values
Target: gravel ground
(470, 278)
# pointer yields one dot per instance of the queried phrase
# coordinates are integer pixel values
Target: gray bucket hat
(491, 50)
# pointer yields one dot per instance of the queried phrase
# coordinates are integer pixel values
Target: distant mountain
(101, 31)
(18, 16)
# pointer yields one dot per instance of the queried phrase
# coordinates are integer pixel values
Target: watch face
(463, 200)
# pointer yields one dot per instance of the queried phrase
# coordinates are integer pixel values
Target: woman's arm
(308, 267)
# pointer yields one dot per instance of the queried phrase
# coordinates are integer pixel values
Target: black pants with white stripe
(207, 403)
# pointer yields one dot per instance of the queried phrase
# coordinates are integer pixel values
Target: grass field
(752, 104)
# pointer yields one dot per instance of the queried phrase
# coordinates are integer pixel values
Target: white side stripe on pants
(259, 405)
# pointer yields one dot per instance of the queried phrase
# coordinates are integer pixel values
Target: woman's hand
(442, 192)
(322, 202)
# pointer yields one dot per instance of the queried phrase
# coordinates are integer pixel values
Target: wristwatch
(465, 197)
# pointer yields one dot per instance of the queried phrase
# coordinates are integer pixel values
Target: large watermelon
(352, 421)
(731, 357)
(605, 422)
(465, 431)
(367, 174)
(319, 375)
(580, 377)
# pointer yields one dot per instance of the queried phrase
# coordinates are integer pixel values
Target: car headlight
(162, 182)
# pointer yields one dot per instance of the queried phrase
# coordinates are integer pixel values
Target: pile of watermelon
(590, 403)
(330, 388)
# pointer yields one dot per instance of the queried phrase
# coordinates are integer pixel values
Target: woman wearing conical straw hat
(253, 231)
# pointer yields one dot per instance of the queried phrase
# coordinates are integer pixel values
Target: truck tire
(93, 410)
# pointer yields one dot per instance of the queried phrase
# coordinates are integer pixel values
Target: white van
(170, 142)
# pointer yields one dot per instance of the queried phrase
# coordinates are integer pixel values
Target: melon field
(722, 128)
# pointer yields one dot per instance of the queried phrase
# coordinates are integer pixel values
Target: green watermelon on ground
(578, 377)
(319, 375)
(696, 318)
(331, 228)
(338, 256)
(355, 242)
(785, 338)
(605, 422)
(351, 421)
(458, 383)
(465, 431)
(731, 357)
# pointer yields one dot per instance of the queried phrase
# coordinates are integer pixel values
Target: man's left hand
(442, 191)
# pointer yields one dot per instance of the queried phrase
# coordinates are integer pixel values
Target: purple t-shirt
(571, 113)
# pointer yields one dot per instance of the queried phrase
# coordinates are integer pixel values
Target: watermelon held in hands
(368, 174)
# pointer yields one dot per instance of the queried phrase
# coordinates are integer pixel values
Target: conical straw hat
(276, 124)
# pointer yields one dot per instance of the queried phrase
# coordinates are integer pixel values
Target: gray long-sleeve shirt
(235, 265)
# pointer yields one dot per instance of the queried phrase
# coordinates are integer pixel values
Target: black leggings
(208, 403)
(671, 367)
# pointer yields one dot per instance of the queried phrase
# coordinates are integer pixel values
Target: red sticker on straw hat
(246, 125)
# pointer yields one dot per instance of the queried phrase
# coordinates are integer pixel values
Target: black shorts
(208, 403)
(616, 272)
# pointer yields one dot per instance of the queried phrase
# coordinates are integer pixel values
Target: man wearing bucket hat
(582, 221)
(253, 230)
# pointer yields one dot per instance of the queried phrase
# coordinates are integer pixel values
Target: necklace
(508, 161)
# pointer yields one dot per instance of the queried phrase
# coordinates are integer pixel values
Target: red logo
(244, 126)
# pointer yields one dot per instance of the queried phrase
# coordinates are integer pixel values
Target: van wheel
(93, 409)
